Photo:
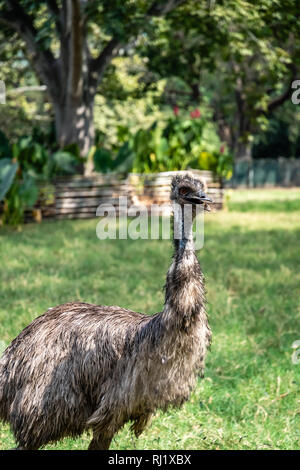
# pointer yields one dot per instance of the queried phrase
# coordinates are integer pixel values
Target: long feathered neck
(184, 289)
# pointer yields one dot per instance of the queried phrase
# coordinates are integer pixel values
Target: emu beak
(200, 198)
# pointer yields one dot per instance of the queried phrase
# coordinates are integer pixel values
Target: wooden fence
(78, 197)
(268, 172)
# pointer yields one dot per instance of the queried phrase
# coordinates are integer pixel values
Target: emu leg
(100, 442)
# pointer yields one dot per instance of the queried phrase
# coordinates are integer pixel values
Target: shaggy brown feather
(81, 366)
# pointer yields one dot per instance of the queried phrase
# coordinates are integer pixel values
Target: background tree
(256, 67)
(18, 76)
(240, 56)
(70, 44)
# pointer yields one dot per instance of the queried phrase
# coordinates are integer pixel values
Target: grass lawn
(250, 396)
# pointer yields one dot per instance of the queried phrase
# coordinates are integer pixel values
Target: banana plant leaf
(8, 171)
(28, 191)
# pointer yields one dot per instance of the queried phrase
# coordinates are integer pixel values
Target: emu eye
(183, 191)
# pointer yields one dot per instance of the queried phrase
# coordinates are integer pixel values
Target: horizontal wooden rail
(79, 196)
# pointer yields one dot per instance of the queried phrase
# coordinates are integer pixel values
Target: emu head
(185, 189)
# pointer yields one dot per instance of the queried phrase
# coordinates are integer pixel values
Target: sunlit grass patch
(263, 200)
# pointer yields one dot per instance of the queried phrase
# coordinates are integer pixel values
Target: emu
(81, 366)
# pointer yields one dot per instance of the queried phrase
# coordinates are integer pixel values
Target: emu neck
(184, 295)
(183, 231)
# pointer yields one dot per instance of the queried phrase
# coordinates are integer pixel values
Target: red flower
(195, 114)
(222, 149)
(176, 110)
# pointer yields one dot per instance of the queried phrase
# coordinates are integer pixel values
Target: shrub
(181, 142)
(26, 162)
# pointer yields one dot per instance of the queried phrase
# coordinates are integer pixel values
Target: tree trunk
(73, 107)
(74, 123)
(72, 77)
(242, 133)
(243, 152)
(243, 155)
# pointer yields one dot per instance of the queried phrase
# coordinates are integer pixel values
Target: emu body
(81, 366)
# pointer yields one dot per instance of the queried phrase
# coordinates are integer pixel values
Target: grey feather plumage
(81, 366)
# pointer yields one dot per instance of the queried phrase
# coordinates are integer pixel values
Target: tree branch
(16, 18)
(100, 63)
(75, 23)
(53, 7)
(55, 11)
(279, 100)
(161, 9)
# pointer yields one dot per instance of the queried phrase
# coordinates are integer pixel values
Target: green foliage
(5, 150)
(23, 111)
(25, 163)
(21, 195)
(37, 155)
(225, 165)
(106, 162)
(218, 162)
(28, 191)
(18, 188)
(237, 55)
(103, 161)
(31, 155)
(8, 171)
(207, 53)
(123, 104)
(62, 162)
(281, 138)
(180, 142)
(150, 150)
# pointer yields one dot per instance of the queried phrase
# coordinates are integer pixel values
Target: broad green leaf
(8, 171)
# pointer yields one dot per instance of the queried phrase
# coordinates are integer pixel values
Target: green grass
(262, 200)
(250, 397)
